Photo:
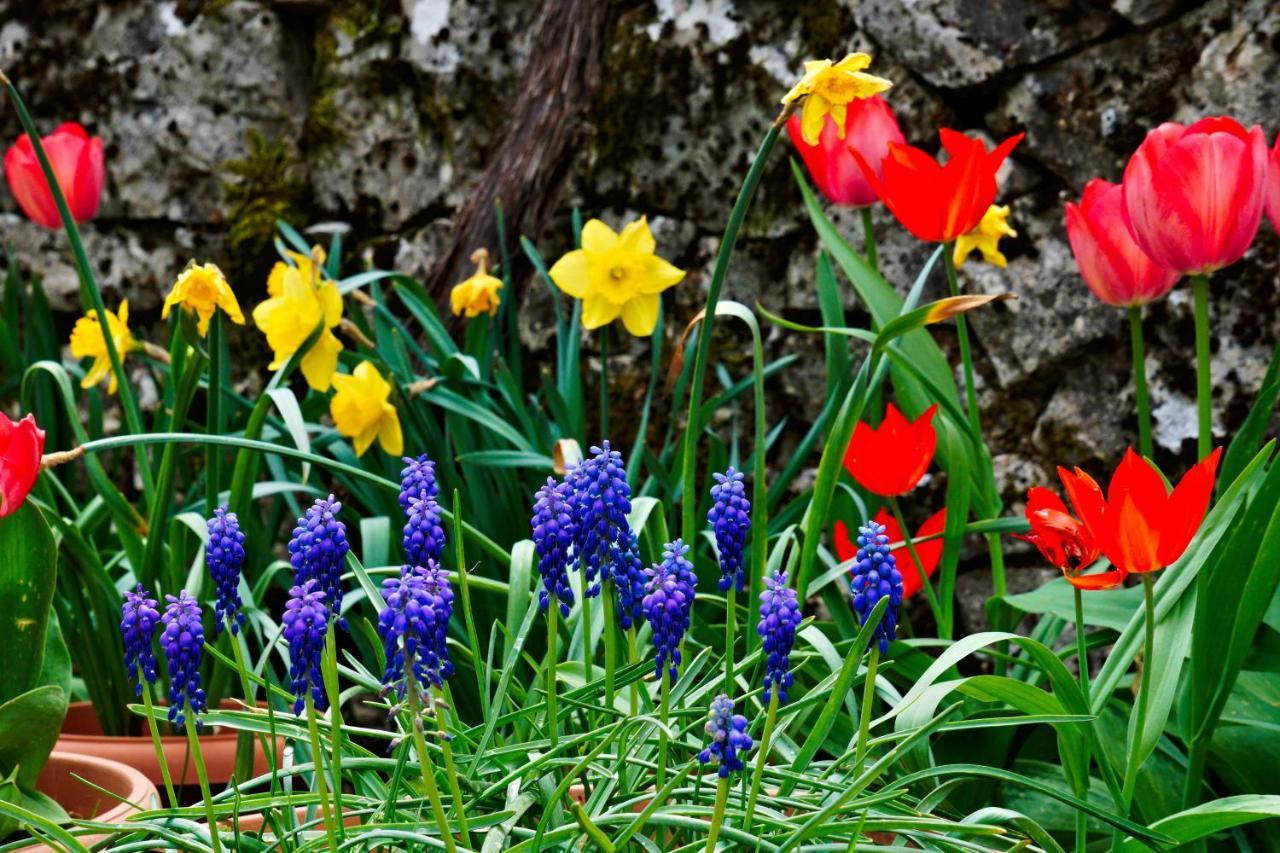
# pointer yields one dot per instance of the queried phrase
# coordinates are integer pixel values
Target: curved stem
(427, 768)
(604, 381)
(757, 773)
(962, 338)
(322, 787)
(1140, 381)
(1204, 385)
(717, 817)
(869, 239)
(864, 716)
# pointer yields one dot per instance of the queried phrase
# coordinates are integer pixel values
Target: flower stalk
(1140, 395)
(1204, 381)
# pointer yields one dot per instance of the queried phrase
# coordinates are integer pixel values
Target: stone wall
(220, 116)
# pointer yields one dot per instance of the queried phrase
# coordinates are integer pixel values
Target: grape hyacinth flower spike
(553, 535)
(423, 533)
(667, 605)
(138, 621)
(413, 626)
(601, 502)
(224, 555)
(873, 576)
(779, 617)
(318, 551)
(417, 481)
(629, 577)
(729, 738)
(183, 643)
(306, 622)
(730, 519)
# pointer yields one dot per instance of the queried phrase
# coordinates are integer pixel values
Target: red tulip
(21, 446)
(1139, 525)
(1193, 195)
(77, 162)
(869, 127)
(1113, 266)
(930, 553)
(1273, 186)
(889, 460)
(1064, 542)
(938, 203)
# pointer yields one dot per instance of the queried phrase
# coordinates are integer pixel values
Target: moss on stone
(264, 186)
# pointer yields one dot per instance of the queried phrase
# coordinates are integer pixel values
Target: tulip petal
(1186, 508)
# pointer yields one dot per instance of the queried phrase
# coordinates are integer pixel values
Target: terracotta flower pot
(85, 802)
(82, 733)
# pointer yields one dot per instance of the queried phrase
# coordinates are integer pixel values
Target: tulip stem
(1082, 665)
(943, 619)
(962, 338)
(869, 239)
(864, 713)
(1144, 690)
(1140, 381)
(1204, 389)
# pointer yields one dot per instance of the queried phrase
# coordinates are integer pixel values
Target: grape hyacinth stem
(202, 776)
(864, 717)
(610, 641)
(717, 817)
(757, 773)
(154, 727)
(428, 770)
(942, 619)
(553, 722)
(330, 672)
(664, 715)
(451, 773)
(322, 787)
(730, 618)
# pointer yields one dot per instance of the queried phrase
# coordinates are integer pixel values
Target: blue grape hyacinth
(779, 616)
(553, 535)
(224, 555)
(667, 604)
(601, 502)
(629, 577)
(729, 738)
(413, 627)
(873, 576)
(423, 532)
(183, 644)
(417, 481)
(138, 621)
(318, 551)
(306, 621)
(730, 519)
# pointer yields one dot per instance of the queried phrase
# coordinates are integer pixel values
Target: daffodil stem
(864, 712)
(553, 618)
(428, 770)
(322, 787)
(869, 239)
(940, 616)
(154, 728)
(717, 817)
(1204, 389)
(693, 424)
(1140, 381)
(213, 455)
(962, 338)
(1196, 757)
(730, 624)
(604, 381)
(757, 773)
(202, 776)
(1082, 664)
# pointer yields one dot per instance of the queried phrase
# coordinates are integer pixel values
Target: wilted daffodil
(828, 88)
(616, 275)
(985, 238)
(362, 411)
(300, 297)
(87, 341)
(478, 294)
(203, 288)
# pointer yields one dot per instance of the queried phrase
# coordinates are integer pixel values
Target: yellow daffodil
(616, 275)
(986, 237)
(361, 410)
(478, 294)
(87, 341)
(828, 87)
(203, 289)
(299, 299)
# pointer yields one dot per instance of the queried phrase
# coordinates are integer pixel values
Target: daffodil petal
(640, 315)
(572, 274)
(598, 237)
(636, 237)
(598, 311)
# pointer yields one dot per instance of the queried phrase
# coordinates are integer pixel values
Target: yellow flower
(87, 341)
(827, 88)
(361, 410)
(478, 294)
(986, 237)
(203, 289)
(616, 275)
(300, 298)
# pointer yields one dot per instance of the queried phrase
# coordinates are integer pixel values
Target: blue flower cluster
(224, 555)
(600, 503)
(779, 616)
(418, 481)
(138, 620)
(730, 518)
(318, 551)
(669, 599)
(183, 644)
(419, 493)
(413, 627)
(306, 621)
(629, 577)
(553, 536)
(729, 738)
(873, 576)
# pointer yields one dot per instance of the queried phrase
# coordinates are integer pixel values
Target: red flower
(77, 163)
(938, 203)
(1111, 263)
(1065, 542)
(869, 127)
(1139, 525)
(930, 553)
(21, 446)
(1193, 195)
(1273, 186)
(889, 460)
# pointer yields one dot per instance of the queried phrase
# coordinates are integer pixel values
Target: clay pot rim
(211, 735)
(139, 790)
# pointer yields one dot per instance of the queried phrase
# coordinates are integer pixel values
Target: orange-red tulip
(930, 553)
(1113, 266)
(21, 446)
(889, 460)
(1064, 542)
(1139, 525)
(1193, 196)
(1273, 186)
(77, 163)
(938, 203)
(869, 127)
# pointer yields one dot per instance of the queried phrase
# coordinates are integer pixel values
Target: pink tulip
(1273, 186)
(1193, 195)
(77, 163)
(869, 127)
(1113, 266)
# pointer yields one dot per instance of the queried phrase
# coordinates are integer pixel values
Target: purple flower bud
(874, 575)
(183, 644)
(730, 518)
(318, 551)
(224, 555)
(423, 533)
(138, 620)
(306, 621)
(629, 577)
(600, 504)
(553, 535)
(417, 481)
(414, 627)
(779, 616)
(667, 604)
(729, 738)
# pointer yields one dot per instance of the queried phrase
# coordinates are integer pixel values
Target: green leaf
(29, 726)
(1111, 608)
(1249, 436)
(1215, 816)
(28, 576)
(829, 303)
